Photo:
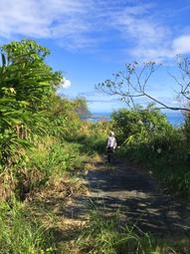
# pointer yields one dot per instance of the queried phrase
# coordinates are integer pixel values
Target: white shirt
(112, 142)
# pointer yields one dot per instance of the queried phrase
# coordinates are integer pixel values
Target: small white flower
(159, 150)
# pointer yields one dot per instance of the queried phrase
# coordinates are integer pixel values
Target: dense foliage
(43, 144)
(26, 84)
(146, 137)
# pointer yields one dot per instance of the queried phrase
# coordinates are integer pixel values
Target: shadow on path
(135, 196)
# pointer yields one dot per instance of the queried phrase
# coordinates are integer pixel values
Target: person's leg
(110, 154)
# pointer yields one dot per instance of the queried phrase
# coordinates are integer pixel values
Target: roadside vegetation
(45, 147)
(146, 137)
(144, 133)
(105, 235)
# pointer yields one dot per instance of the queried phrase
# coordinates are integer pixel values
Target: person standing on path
(111, 146)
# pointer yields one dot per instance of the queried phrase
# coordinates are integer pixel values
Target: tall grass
(56, 157)
(107, 235)
(47, 161)
(19, 234)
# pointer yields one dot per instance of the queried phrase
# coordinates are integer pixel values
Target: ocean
(174, 117)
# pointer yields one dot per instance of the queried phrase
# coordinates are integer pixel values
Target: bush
(147, 137)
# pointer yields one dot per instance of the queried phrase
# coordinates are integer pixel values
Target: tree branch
(132, 83)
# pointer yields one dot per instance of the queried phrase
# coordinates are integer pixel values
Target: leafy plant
(26, 83)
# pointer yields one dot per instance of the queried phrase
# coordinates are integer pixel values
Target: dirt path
(135, 196)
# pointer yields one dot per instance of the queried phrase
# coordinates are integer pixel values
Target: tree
(24, 70)
(132, 83)
(26, 85)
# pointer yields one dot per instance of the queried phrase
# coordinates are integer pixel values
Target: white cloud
(44, 19)
(181, 44)
(71, 22)
(65, 84)
(156, 54)
(81, 24)
(150, 39)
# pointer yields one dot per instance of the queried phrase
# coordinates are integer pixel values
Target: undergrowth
(106, 235)
(20, 234)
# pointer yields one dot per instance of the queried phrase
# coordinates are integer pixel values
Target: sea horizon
(175, 118)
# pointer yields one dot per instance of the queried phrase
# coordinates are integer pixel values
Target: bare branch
(132, 82)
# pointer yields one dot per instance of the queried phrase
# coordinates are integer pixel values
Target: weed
(20, 234)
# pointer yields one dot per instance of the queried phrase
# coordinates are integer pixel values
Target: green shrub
(141, 124)
(147, 137)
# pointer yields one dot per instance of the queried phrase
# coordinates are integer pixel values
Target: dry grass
(48, 204)
(7, 184)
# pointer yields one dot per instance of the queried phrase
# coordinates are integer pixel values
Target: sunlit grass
(20, 233)
(107, 235)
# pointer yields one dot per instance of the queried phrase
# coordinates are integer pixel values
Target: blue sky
(92, 39)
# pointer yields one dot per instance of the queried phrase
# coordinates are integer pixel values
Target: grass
(173, 175)
(106, 235)
(171, 168)
(46, 162)
(56, 157)
(20, 234)
(44, 181)
(39, 226)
